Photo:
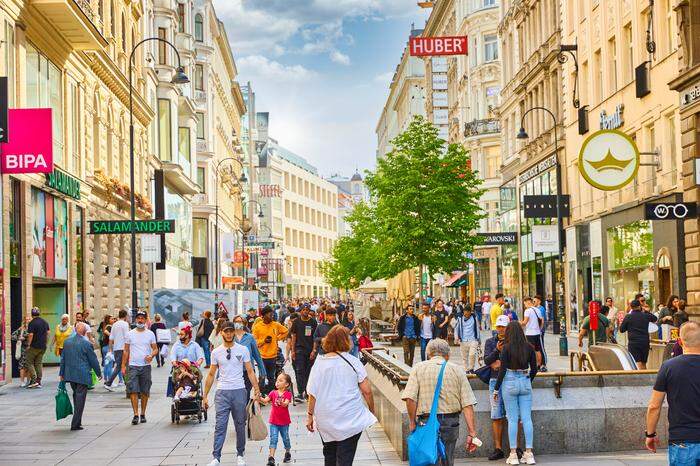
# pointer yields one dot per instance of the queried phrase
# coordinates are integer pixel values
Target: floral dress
(21, 335)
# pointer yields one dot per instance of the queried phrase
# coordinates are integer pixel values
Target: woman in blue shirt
(242, 337)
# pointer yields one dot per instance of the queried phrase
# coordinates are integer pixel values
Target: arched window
(198, 28)
(123, 33)
(112, 23)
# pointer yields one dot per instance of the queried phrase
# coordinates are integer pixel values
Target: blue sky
(322, 70)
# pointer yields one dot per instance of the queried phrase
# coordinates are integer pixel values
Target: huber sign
(30, 149)
(432, 46)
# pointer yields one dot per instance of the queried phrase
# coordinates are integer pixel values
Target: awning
(374, 287)
(458, 278)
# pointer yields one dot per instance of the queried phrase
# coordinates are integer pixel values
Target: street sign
(608, 159)
(670, 210)
(4, 130)
(495, 239)
(261, 244)
(31, 148)
(251, 239)
(120, 227)
(432, 46)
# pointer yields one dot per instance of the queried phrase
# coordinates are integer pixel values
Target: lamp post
(178, 78)
(522, 135)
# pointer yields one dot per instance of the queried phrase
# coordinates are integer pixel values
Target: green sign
(63, 183)
(117, 227)
(261, 244)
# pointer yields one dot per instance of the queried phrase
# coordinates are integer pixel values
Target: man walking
(492, 357)
(636, 324)
(539, 304)
(408, 329)
(532, 325)
(117, 338)
(77, 358)
(442, 320)
(486, 310)
(37, 335)
(267, 333)
(139, 350)
(427, 328)
(456, 397)
(495, 311)
(679, 380)
(322, 330)
(467, 335)
(229, 360)
(302, 344)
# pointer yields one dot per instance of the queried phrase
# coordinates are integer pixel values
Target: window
(180, 17)
(10, 62)
(123, 34)
(670, 26)
(199, 77)
(162, 55)
(473, 54)
(184, 147)
(488, 3)
(164, 131)
(651, 138)
(490, 47)
(629, 58)
(199, 237)
(200, 125)
(44, 84)
(112, 23)
(597, 77)
(612, 63)
(673, 148)
(198, 28)
(74, 128)
(202, 179)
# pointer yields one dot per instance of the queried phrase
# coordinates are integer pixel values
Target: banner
(171, 303)
(30, 149)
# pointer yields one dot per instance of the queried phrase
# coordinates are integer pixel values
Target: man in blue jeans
(679, 380)
(229, 360)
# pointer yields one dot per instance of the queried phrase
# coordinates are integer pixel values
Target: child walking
(279, 417)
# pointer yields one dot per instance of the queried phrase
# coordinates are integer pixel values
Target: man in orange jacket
(267, 333)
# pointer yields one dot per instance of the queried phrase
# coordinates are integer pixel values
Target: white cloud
(384, 78)
(339, 57)
(273, 71)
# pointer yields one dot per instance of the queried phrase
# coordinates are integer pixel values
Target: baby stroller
(191, 405)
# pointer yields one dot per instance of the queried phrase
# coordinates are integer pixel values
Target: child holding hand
(280, 420)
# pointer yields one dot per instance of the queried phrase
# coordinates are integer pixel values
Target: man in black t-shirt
(38, 334)
(636, 324)
(679, 380)
(442, 319)
(250, 319)
(302, 331)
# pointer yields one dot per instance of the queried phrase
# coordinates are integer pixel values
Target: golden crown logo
(609, 162)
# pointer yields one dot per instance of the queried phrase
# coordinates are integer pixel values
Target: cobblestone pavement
(30, 435)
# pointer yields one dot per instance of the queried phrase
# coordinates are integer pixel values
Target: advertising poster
(60, 238)
(171, 303)
(246, 300)
(38, 234)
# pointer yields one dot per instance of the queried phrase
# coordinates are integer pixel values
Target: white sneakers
(528, 457)
(214, 462)
(241, 461)
(513, 459)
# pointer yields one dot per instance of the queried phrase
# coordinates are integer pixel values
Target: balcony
(177, 178)
(201, 145)
(481, 127)
(200, 97)
(75, 20)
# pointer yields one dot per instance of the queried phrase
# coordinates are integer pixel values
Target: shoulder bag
(200, 329)
(257, 429)
(424, 444)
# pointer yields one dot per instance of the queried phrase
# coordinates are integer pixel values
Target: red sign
(30, 149)
(270, 190)
(593, 311)
(432, 46)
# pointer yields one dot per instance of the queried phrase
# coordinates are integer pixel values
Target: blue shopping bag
(424, 444)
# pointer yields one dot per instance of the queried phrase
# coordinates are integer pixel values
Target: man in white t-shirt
(139, 350)
(117, 338)
(230, 359)
(532, 323)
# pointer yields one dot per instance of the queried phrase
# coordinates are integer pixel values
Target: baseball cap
(141, 314)
(35, 311)
(635, 303)
(227, 325)
(502, 321)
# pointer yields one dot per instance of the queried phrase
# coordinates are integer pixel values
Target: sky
(322, 69)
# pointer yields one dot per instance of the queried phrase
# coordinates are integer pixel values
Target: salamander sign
(118, 227)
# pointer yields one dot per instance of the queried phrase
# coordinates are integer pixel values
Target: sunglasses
(228, 353)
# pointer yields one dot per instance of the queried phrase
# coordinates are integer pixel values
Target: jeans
(283, 431)
(271, 369)
(423, 345)
(117, 367)
(204, 343)
(469, 353)
(544, 352)
(302, 368)
(409, 349)
(449, 433)
(340, 453)
(35, 363)
(516, 391)
(231, 402)
(683, 454)
(79, 397)
(498, 409)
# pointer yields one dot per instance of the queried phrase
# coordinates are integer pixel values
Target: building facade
(351, 191)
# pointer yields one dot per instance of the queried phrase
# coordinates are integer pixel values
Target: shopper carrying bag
(424, 445)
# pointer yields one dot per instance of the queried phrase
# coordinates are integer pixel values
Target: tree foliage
(424, 212)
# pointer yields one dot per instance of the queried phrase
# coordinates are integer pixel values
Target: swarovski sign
(495, 239)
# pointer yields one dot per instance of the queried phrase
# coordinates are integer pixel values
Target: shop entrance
(52, 300)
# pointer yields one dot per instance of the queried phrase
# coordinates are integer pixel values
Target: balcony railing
(76, 21)
(201, 145)
(200, 97)
(479, 127)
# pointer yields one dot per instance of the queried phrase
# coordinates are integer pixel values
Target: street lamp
(522, 135)
(260, 211)
(178, 78)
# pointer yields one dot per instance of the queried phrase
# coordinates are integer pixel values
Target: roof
(356, 177)
(273, 148)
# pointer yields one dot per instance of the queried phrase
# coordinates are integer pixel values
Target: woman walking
(216, 338)
(242, 337)
(337, 385)
(518, 368)
(20, 335)
(155, 326)
(61, 333)
(349, 322)
(103, 331)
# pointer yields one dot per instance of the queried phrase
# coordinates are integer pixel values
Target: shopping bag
(424, 445)
(94, 378)
(257, 429)
(164, 351)
(63, 405)
(163, 335)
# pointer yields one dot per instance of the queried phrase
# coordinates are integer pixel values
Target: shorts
(138, 380)
(535, 341)
(640, 352)
(498, 409)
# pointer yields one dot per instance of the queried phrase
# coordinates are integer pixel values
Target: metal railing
(479, 127)
(86, 8)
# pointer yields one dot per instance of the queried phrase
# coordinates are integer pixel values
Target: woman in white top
(337, 384)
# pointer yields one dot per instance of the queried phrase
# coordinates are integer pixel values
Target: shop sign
(538, 168)
(231, 281)
(440, 99)
(496, 239)
(545, 238)
(670, 210)
(115, 227)
(613, 121)
(433, 46)
(150, 249)
(439, 81)
(63, 183)
(262, 244)
(593, 311)
(4, 130)
(690, 95)
(608, 159)
(31, 147)
(270, 190)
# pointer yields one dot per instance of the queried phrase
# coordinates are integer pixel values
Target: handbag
(424, 445)
(200, 329)
(257, 429)
(63, 405)
(484, 374)
(18, 350)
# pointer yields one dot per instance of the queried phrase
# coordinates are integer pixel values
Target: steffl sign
(435, 46)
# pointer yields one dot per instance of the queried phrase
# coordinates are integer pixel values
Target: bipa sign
(432, 46)
(30, 149)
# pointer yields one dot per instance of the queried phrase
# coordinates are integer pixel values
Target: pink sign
(30, 146)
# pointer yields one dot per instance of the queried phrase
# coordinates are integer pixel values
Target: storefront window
(199, 237)
(631, 262)
(164, 130)
(15, 232)
(44, 86)
(179, 244)
(79, 265)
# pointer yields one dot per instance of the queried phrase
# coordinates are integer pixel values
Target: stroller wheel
(199, 417)
(205, 414)
(172, 413)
